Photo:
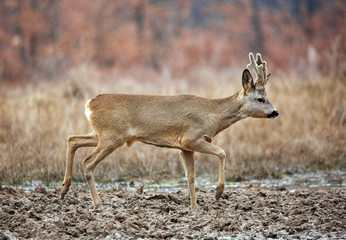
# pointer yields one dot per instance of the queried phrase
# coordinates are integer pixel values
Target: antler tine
(259, 60)
(263, 72)
(265, 76)
(252, 63)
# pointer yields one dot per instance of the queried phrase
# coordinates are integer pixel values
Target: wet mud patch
(252, 212)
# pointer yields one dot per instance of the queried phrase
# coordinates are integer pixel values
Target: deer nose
(274, 114)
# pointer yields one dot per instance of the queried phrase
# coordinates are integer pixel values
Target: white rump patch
(87, 110)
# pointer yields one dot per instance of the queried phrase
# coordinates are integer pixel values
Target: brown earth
(250, 213)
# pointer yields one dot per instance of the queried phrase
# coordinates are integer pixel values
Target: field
(37, 117)
(308, 135)
(249, 213)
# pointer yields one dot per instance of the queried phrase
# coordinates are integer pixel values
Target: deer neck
(229, 110)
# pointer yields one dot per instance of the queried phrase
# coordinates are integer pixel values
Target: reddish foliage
(45, 37)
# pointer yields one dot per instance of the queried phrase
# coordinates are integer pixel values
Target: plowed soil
(250, 213)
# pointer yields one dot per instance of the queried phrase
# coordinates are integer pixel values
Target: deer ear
(247, 81)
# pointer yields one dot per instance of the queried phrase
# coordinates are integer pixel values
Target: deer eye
(261, 100)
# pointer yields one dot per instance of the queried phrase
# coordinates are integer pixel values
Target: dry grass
(36, 119)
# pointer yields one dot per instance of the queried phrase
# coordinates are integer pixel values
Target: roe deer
(185, 122)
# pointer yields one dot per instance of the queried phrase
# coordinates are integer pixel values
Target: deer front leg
(189, 166)
(204, 146)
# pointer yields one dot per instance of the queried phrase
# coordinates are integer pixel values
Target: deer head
(256, 102)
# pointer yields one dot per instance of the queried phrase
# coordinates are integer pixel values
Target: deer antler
(260, 68)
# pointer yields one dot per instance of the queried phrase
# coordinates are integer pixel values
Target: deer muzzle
(274, 114)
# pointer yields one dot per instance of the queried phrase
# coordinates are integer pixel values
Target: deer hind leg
(189, 166)
(73, 143)
(103, 149)
(204, 146)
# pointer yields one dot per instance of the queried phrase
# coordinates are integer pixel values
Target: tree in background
(45, 38)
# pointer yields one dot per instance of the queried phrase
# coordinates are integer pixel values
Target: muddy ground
(248, 213)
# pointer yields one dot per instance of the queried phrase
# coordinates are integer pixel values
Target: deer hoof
(62, 194)
(193, 207)
(219, 191)
(98, 206)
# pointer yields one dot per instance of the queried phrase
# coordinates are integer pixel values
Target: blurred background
(56, 54)
(46, 38)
